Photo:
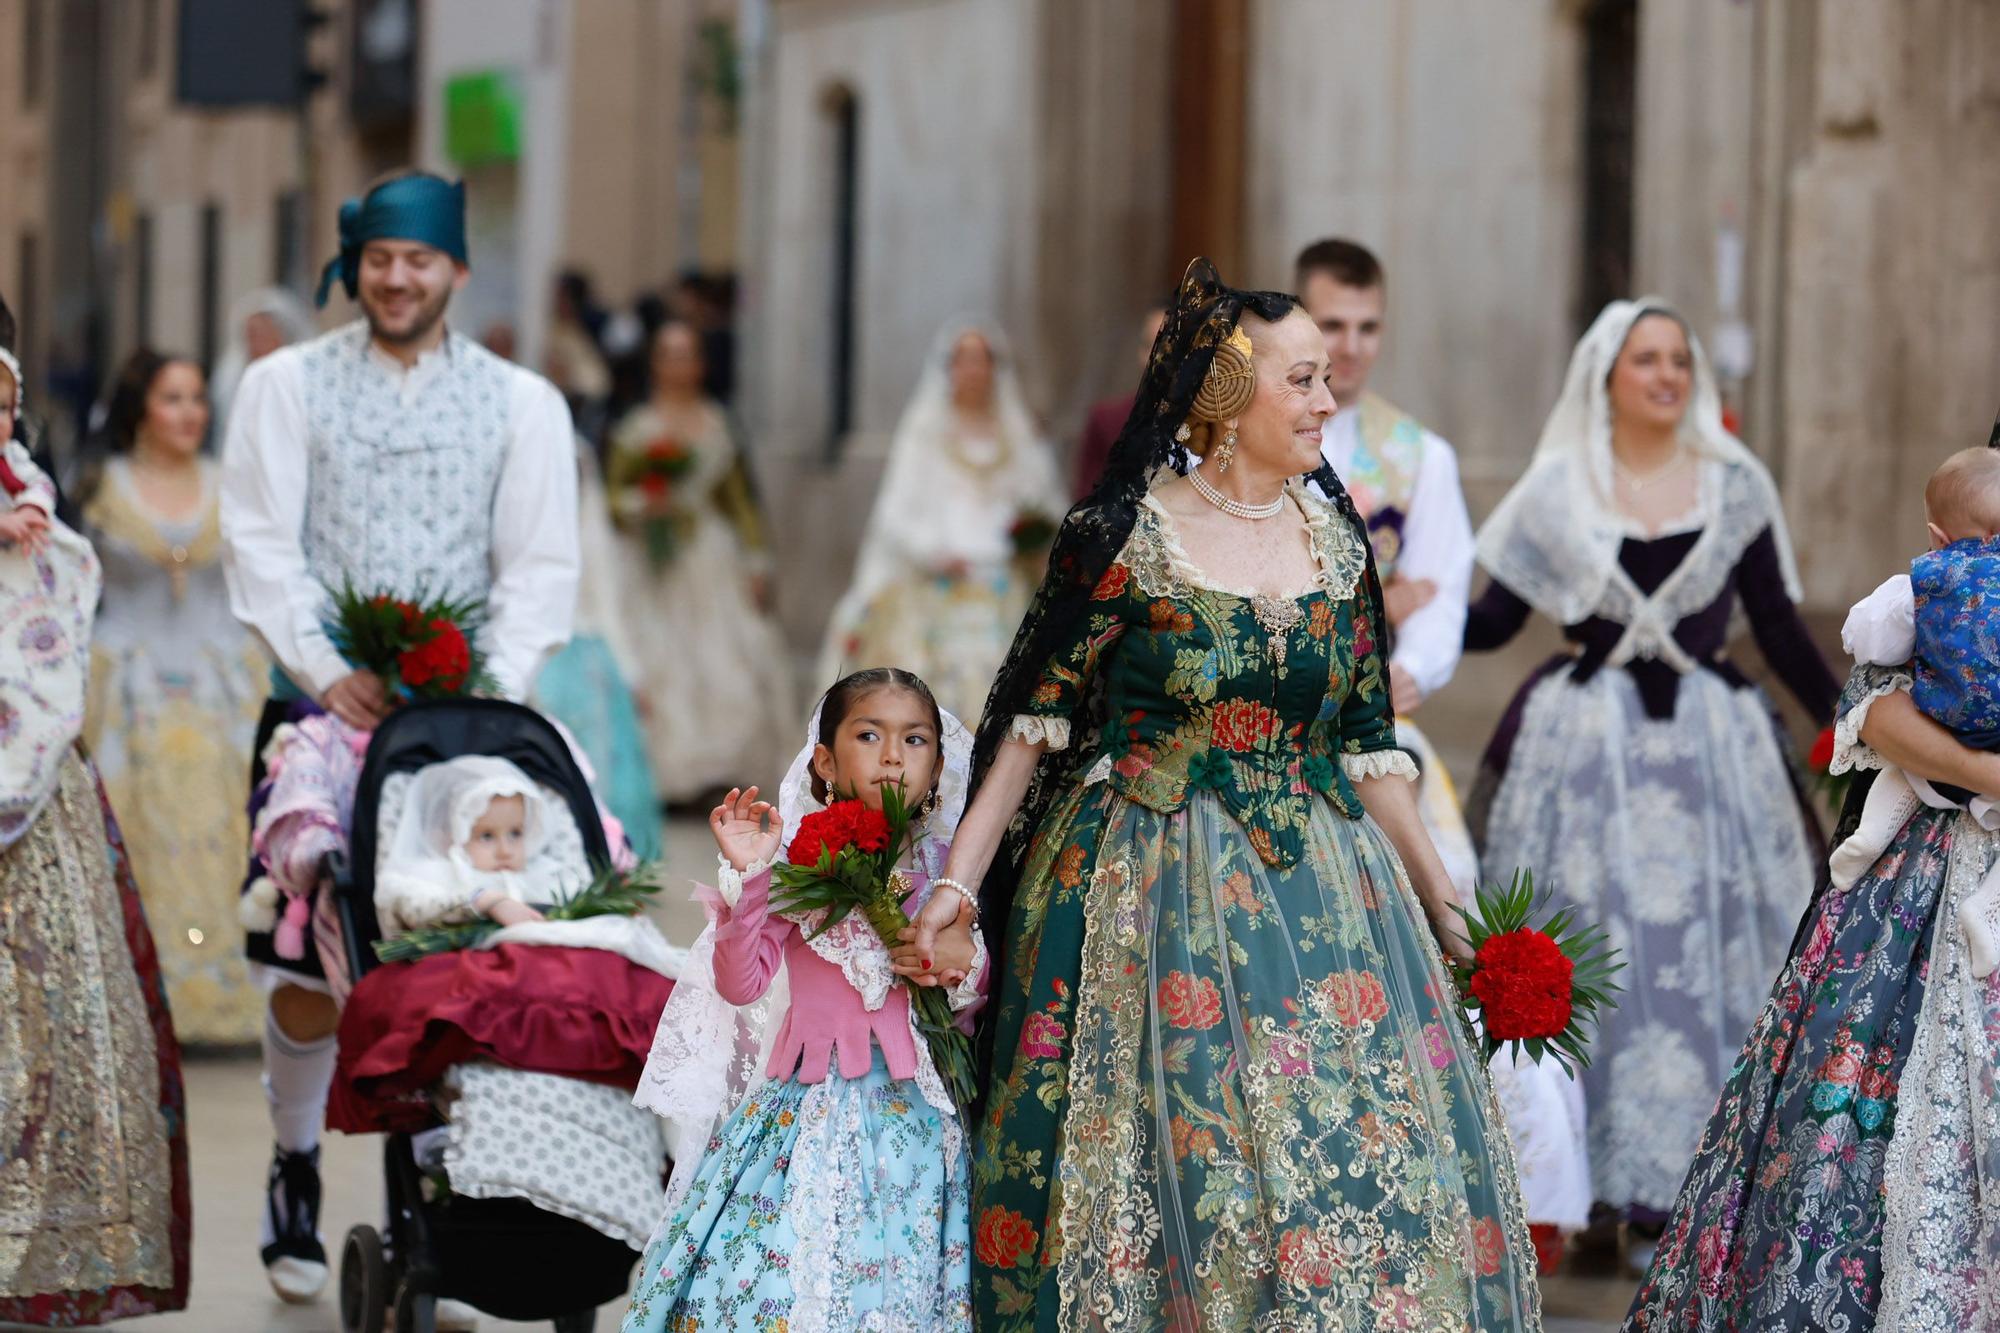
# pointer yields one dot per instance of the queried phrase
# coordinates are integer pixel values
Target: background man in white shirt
(1402, 476)
(1404, 480)
(403, 457)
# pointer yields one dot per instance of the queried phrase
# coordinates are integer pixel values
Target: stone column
(1892, 339)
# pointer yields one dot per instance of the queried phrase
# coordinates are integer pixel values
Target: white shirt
(534, 557)
(1881, 630)
(1437, 545)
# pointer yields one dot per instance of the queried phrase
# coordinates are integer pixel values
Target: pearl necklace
(1233, 508)
(1640, 481)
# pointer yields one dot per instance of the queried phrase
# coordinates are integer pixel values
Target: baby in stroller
(500, 1061)
(468, 830)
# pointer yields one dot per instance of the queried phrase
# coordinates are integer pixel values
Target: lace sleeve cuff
(1390, 763)
(1850, 752)
(1050, 731)
(729, 880)
(970, 991)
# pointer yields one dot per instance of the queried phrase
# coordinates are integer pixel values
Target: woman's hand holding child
(951, 957)
(26, 527)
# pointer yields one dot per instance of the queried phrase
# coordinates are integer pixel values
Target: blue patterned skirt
(840, 1205)
(1780, 1224)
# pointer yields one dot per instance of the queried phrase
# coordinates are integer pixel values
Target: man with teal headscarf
(400, 456)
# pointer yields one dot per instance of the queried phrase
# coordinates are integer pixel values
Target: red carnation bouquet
(650, 480)
(1540, 989)
(1820, 776)
(1031, 533)
(422, 647)
(843, 859)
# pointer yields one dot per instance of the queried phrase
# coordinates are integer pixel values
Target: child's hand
(950, 960)
(746, 829)
(26, 527)
(513, 912)
(497, 907)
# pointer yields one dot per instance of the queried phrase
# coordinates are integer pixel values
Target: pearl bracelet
(963, 892)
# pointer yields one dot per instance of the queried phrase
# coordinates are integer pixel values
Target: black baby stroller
(495, 1254)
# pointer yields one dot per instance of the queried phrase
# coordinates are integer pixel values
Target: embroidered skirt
(818, 1208)
(1229, 1095)
(94, 1220)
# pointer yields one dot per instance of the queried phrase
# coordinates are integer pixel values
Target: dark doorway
(843, 112)
(1610, 102)
(1211, 44)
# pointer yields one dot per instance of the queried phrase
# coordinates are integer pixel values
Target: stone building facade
(1811, 181)
(129, 216)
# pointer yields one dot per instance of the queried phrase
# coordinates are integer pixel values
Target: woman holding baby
(1850, 1175)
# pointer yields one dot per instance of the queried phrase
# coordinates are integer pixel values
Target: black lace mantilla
(1092, 535)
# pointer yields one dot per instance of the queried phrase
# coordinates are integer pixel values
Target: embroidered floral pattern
(1202, 700)
(1226, 1094)
(819, 1208)
(1842, 1178)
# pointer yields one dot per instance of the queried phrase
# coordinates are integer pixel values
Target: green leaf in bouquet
(411, 945)
(611, 893)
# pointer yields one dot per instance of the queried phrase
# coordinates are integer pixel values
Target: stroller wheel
(416, 1311)
(583, 1321)
(364, 1282)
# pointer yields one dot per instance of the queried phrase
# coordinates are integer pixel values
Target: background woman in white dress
(713, 686)
(1641, 776)
(939, 588)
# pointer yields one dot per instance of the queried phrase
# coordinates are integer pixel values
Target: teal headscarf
(410, 208)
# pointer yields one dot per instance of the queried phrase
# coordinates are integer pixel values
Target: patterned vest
(400, 495)
(1382, 475)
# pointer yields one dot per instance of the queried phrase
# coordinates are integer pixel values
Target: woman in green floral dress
(1227, 1083)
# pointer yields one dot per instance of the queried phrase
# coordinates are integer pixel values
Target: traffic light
(246, 52)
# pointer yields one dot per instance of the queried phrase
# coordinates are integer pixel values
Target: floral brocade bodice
(1269, 703)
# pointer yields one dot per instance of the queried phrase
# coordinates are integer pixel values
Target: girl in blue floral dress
(1229, 1084)
(834, 1195)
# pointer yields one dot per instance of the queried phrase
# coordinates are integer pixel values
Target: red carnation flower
(1821, 758)
(443, 659)
(825, 830)
(1242, 724)
(1522, 982)
(871, 829)
(841, 825)
(1190, 1002)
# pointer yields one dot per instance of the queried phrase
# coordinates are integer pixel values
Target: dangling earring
(1224, 452)
(929, 807)
(1184, 434)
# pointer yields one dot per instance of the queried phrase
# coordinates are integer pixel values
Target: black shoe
(295, 1262)
(1594, 1251)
